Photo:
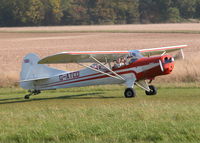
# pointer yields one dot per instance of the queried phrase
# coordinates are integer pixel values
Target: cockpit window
(132, 59)
(168, 60)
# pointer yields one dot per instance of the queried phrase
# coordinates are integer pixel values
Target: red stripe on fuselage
(140, 62)
(140, 76)
(155, 71)
(93, 78)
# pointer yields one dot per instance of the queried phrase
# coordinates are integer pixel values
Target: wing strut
(143, 84)
(117, 76)
(99, 71)
(107, 68)
(163, 53)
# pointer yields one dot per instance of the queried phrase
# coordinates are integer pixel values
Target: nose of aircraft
(168, 64)
(168, 68)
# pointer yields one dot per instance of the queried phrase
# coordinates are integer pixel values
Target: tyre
(26, 97)
(129, 93)
(153, 90)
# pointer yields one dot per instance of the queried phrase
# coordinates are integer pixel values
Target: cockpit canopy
(168, 59)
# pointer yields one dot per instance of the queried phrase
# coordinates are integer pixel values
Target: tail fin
(31, 70)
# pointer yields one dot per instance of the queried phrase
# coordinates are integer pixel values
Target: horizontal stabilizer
(35, 79)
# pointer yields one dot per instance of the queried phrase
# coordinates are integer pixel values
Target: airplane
(130, 68)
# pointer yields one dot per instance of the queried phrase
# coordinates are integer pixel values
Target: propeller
(161, 66)
(180, 55)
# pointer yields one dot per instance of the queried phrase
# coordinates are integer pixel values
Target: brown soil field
(14, 46)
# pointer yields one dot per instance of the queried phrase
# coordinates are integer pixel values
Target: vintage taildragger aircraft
(130, 68)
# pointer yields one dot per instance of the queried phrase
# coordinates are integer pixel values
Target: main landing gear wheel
(34, 92)
(153, 90)
(129, 93)
(27, 96)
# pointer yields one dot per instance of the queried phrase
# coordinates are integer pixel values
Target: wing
(156, 51)
(103, 56)
(82, 57)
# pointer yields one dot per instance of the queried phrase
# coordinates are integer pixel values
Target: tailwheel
(153, 90)
(129, 93)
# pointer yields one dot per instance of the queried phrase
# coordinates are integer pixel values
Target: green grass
(106, 31)
(100, 114)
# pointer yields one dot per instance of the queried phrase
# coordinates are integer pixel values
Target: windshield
(168, 60)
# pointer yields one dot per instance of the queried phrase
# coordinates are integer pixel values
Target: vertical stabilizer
(32, 71)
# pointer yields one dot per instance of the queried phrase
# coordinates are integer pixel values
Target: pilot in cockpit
(115, 66)
(119, 62)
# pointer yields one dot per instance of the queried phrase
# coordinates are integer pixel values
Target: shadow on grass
(10, 99)
(22, 100)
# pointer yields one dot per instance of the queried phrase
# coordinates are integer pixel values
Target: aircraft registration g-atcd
(130, 68)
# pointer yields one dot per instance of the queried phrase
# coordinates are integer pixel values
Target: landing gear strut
(32, 92)
(153, 90)
(129, 93)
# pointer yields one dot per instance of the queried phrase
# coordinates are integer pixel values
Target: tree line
(82, 12)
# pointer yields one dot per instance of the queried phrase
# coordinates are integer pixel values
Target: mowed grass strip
(100, 114)
(109, 31)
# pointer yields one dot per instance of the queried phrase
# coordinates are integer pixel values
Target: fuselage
(142, 69)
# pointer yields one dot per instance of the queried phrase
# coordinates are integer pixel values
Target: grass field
(101, 114)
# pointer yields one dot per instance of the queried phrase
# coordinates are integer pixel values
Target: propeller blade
(161, 66)
(180, 55)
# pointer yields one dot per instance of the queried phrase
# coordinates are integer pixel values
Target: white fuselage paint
(87, 77)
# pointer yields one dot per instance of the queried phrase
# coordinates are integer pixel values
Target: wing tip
(164, 48)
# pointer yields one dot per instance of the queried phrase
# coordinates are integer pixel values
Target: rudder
(28, 63)
(32, 71)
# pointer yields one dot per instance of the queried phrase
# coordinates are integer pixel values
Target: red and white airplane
(130, 68)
